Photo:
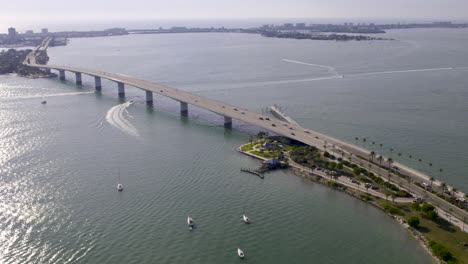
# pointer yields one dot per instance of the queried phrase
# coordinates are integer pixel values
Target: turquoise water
(59, 162)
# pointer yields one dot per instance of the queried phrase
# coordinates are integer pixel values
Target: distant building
(272, 162)
(300, 25)
(44, 31)
(29, 32)
(289, 25)
(12, 33)
(179, 29)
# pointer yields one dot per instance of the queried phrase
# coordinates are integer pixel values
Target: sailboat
(240, 253)
(119, 185)
(190, 222)
(246, 219)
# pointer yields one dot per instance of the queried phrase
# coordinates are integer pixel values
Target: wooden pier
(254, 172)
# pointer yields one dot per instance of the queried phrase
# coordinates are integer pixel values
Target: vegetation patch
(392, 209)
(441, 252)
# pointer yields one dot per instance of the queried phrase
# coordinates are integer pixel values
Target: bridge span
(229, 112)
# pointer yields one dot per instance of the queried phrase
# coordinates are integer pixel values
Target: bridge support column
(121, 89)
(183, 108)
(149, 98)
(78, 78)
(47, 70)
(227, 122)
(62, 75)
(97, 82)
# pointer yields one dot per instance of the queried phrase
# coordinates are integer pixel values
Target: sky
(19, 11)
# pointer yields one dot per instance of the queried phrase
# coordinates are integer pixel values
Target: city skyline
(27, 10)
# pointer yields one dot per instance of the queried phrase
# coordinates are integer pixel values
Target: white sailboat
(246, 219)
(119, 185)
(240, 253)
(190, 222)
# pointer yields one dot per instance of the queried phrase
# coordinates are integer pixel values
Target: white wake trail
(402, 71)
(47, 95)
(115, 116)
(330, 68)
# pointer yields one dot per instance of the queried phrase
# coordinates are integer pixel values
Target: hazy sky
(20, 10)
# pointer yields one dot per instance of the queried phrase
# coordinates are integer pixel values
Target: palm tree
(443, 186)
(399, 156)
(389, 175)
(357, 139)
(372, 155)
(432, 180)
(380, 145)
(380, 159)
(440, 173)
(391, 152)
(390, 161)
(364, 142)
(420, 160)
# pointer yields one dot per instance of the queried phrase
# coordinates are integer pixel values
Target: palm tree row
(373, 155)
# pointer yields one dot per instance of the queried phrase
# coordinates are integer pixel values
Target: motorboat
(240, 253)
(44, 102)
(246, 219)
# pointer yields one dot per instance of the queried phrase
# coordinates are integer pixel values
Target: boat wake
(330, 68)
(116, 116)
(47, 95)
(402, 71)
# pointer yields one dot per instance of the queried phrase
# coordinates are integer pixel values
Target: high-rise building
(12, 33)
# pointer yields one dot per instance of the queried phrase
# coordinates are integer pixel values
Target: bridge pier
(227, 122)
(121, 89)
(48, 71)
(97, 83)
(62, 75)
(149, 98)
(183, 109)
(78, 78)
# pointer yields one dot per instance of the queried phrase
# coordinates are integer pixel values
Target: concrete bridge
(229, 112)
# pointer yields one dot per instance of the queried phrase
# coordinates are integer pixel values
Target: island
(11, 61)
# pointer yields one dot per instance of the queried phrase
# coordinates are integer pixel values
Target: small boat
(44, 102)
(246, 219)
(240, 253)
(190, 222)
(119, 185)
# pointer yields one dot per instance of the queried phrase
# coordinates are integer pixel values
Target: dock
(254, 172)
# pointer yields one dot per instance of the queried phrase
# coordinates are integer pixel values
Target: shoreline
(358, 194)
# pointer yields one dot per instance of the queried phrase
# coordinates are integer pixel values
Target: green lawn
(267, 155)
(247, 147)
